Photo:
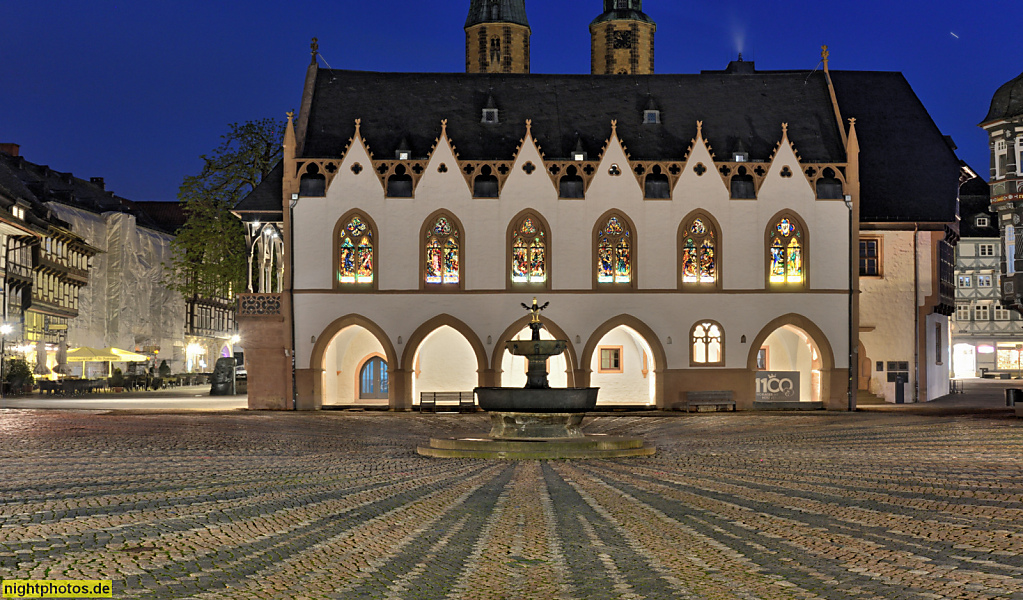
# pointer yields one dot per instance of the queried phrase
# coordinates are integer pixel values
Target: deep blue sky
(134, 91)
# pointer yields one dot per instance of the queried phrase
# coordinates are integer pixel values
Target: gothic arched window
(443, 251)
(699, 259)
(615, 250)
(529, 250)
(786, 251)
(355, 252)
(707, 344)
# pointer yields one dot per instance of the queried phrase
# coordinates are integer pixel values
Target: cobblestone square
(338, 505)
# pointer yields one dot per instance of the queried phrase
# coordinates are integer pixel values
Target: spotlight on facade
(6, 329)
(235, 339)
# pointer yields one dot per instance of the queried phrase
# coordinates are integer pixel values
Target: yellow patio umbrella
(108, 355)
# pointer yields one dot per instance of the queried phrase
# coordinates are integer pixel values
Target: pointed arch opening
(444, 355)
(340, 354)
(787, 252)
(699, 240)
(442, 245)
(707, 344)
(625, 359)
(614, 251)
(313, 184)
(355, 252)
(799, 361)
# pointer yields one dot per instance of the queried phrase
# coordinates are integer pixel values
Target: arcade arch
(444, 355)
(793, 344)
(625, 359)
(341, 352)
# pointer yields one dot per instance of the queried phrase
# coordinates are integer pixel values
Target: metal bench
(462, 401)
(718, 399)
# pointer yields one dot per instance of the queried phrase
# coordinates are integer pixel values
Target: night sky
(136, 91)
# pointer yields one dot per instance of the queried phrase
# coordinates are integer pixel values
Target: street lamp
(5, 330)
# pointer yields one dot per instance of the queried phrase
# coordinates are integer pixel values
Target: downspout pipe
(916, 313)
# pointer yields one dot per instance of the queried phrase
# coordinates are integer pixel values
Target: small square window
(984, 281)
(490, 115)
(982, 312)
(651, 117)
(579, 156)
(986, 249)
(610, 359)
(965, 281)
(982, 221)
(870, 257)
(404, 155)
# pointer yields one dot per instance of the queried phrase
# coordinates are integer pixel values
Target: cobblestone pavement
(335, 505)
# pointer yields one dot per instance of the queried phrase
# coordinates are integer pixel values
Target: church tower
(497, 37)
(622, 40)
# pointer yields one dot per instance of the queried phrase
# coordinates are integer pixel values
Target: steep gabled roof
(265, 203)
(908, 171)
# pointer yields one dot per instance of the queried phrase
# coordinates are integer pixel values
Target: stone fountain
(537, 421)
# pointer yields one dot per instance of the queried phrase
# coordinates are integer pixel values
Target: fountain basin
(525, 400)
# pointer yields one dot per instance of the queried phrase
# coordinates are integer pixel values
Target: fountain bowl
(526, 400)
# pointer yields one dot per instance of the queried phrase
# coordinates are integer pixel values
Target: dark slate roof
(264, 202)
(974, 201)
(908, 172)
(510, 11)
(167, 216)
(1007, 101)
(565, 108)
(40, 184)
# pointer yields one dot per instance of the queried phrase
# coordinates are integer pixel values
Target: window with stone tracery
(443, 252)
(708, 344)
(615, 251)
(355, 264)
(699, 258)
(786, 252)
(529, 251)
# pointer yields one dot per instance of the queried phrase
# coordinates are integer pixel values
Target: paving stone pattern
(333, 505)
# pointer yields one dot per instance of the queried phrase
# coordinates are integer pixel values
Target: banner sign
(1010, 250)
(778, 386)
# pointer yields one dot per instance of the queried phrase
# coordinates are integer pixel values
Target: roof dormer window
(578, 156)
(403, 155)
(740, 157)
(651, 117)
(18, 212)
(490, 116)
(982, 221)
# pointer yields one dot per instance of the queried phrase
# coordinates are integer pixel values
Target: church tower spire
(497, 37)
(622, 40)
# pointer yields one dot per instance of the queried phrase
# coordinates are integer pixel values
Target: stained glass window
(786, 253)
(708, 343)
(529, 252)
(699, 259)
(614, 252)
(442, 252)
(355, 262)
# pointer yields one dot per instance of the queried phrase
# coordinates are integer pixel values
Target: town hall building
(720, 231)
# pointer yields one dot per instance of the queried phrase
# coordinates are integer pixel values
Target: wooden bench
(462, 401)
(717, 399)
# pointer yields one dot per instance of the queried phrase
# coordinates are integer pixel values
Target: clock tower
(622, 40)
(497, 37)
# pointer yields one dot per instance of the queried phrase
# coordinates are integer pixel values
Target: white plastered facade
(743, 305)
